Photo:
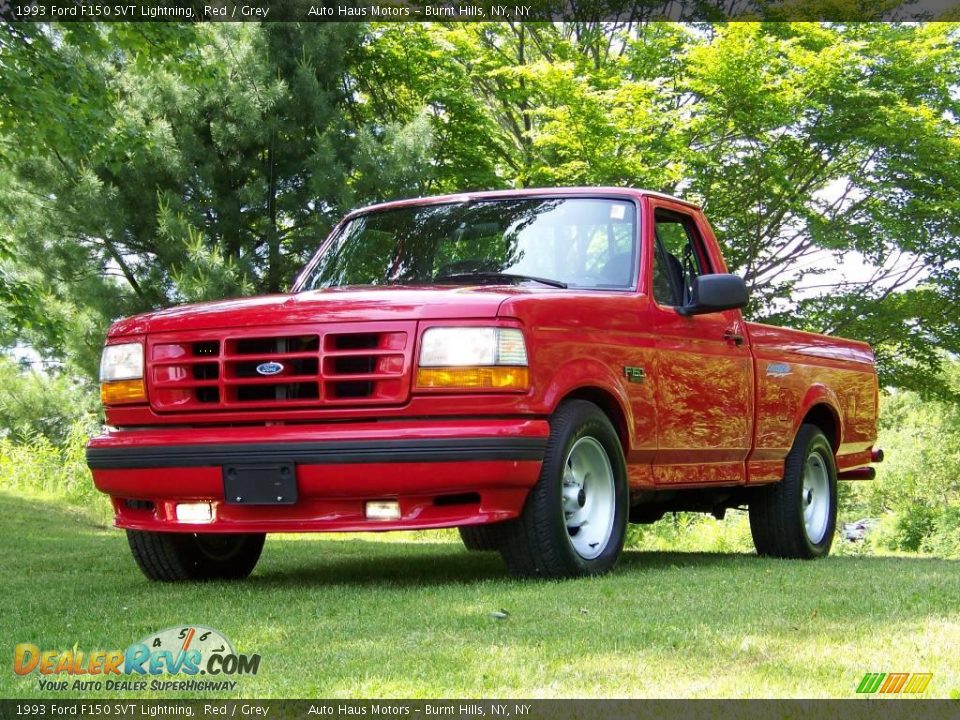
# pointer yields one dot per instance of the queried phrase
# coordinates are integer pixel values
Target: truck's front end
(293, 427)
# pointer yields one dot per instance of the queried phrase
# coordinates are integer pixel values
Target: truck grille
(349, 365)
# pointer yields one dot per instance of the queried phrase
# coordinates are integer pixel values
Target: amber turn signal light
(480, 378)
(121, 392)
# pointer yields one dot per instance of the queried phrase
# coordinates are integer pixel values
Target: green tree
(42, 404)
(180, 163)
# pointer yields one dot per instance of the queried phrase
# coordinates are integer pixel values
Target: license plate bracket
(273, 483)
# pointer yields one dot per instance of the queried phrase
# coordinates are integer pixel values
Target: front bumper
(442, 473)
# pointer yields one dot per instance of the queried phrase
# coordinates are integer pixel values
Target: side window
(678, 258)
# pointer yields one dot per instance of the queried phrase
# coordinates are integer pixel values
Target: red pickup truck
(536, 368)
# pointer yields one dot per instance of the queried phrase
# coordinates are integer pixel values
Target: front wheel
(575, 519)
(797, 517)
(171, 557)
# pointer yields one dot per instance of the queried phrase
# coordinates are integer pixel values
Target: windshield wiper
(492, 275)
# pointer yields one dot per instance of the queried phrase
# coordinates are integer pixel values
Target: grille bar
(375, 352)
(182, 383)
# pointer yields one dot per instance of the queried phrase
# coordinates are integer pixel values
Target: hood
(358, 304)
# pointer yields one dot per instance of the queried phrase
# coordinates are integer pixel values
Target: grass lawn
(349, 617)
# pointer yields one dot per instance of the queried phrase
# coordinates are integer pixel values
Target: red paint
(711, 411)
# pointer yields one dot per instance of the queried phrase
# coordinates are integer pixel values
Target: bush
(944, 538)
(35, 404)
(39, 467)
(693, 532)
(914, 524)
(917, 489)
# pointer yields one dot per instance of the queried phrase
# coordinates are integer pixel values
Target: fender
(820, 394)
(584, 373)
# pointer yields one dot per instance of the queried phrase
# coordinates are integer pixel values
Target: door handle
(732, 335)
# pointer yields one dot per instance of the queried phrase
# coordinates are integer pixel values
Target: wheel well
(611, 408)
(823, 416)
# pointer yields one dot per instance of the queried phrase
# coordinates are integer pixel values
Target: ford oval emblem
(269, 368)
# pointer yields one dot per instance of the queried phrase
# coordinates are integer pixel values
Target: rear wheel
(797, 517)
(173, 557)
(575, 518)
(481, 538)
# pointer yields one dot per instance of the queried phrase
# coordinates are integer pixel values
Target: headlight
(121, 374)
(121, 362)
(473, 357)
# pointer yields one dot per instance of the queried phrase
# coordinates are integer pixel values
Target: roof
(634, 193)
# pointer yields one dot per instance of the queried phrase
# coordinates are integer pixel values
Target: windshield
(579, 242)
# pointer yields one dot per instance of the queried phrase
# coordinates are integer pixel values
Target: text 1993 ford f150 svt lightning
(537, 368)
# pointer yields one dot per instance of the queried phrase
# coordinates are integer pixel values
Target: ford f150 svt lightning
(536, 368)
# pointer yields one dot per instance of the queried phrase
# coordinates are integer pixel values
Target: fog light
(383, 510)
(195, 512)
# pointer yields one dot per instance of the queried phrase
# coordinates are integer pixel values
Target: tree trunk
(273, 235)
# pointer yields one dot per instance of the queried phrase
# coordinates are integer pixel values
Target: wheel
(481, 538)
(171, 557)
(797, 517)
(575, 517)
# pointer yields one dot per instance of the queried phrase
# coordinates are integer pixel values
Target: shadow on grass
(407, 564)
(362, 562)
(367, 563)
(653, 560)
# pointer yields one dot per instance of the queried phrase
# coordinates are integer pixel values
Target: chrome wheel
(796, 517)
(816, 498)
(589, 497)
(574, 520)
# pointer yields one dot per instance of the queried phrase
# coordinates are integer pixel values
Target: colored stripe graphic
(918, 683)
(894, 683)
(871, 682)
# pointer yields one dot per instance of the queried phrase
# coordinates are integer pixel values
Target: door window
(678, 258)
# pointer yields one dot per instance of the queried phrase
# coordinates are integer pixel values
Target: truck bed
(796, 370)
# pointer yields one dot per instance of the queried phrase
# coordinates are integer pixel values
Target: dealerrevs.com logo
(203, 658)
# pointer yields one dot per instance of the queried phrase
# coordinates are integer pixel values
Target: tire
(481, 538)
(175, 557)
(584, 477)
(797, 517)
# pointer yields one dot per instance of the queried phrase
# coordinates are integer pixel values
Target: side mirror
(713, 293)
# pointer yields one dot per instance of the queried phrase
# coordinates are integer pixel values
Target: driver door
(704, 368)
